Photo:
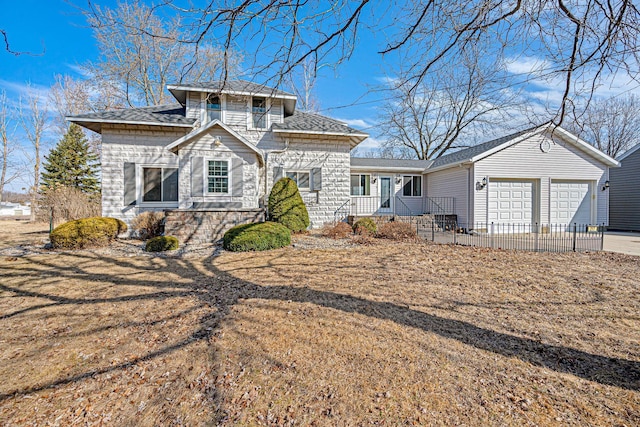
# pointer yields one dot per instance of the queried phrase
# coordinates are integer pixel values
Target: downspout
(470, 193)
(267, 155)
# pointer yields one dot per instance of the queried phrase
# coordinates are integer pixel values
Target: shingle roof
(309, 122)
(243, 86)
(389, 163)
(168, 115)
(468, 153)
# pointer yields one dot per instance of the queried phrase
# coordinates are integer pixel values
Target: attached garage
(511, 202)
(570, 202)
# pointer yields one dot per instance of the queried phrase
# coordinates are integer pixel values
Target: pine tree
(71, 163)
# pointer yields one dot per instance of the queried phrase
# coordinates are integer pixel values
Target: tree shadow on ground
(205, 281)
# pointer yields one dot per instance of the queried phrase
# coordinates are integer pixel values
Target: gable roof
(400, 165)
(175, 145)
(158, 115)
(629, 152)
(480, 151)
(311, 123)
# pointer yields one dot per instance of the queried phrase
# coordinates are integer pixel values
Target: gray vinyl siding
(525, 161)
(452, 182)
(624, 193)
(236, 112)
(275, 112)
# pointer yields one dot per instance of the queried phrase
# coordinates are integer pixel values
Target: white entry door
(511, 202)
(570, 202)
(386, 201)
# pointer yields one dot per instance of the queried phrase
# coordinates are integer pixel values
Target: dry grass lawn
(384, 334)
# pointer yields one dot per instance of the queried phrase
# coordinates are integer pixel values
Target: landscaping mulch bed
(323, 333)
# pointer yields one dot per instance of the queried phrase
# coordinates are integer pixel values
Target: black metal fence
(525, 237)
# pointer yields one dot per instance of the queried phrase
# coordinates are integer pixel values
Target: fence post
(433, 230)
(602, 237)
(575, 229)
(492, 245)
(537, 231)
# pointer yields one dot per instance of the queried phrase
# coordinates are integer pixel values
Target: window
(300, 178)
(160, 184)
(218, 176)
(360, 185)
(259, 113)
(214, 107)
(412, 186)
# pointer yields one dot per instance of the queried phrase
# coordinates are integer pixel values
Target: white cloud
(357, 123)
(527, 65)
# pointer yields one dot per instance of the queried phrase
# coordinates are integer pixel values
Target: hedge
(161, 244)
(365, 227)
(260, 236)
(287, 207)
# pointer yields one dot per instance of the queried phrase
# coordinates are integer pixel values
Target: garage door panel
(570, 202)
(510, 202)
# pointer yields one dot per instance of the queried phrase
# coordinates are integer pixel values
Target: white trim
(629, 152)
(389, 169)
(126, 122)
(421, 186)
(205, 175)
(569, 137)
(315, 132)
(233, 92)
(267, 108)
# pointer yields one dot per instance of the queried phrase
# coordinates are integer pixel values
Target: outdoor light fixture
(398, 179)
(216, 141)
(481, 184)
(606, 185)
(374, 179)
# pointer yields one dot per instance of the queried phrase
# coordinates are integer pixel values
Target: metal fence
(524, 237)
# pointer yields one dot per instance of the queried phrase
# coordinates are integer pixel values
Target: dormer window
(214, 108)
(259, 112)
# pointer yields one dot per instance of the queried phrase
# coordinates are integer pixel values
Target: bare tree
(8, 171)
(303, 81)
(446, 110)
(33, 117)
(139, 54)
(611, 125)
(578, 41)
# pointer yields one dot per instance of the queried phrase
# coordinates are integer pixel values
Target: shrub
(161, 244)
(365, 227)
(86, 232)
(148, 224)
(397, 230)
(287, 207)
(341, 230)
(260, 236)
(67, 204)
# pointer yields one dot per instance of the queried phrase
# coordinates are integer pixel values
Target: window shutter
(277, 173)
(237, 179)
(316, 179)
(129, 184)
(197, 176)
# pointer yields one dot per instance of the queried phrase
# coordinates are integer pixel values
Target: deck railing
(397, 205)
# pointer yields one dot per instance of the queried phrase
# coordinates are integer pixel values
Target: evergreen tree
(71, 163)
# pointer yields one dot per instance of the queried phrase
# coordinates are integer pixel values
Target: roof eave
(585, 146)
(266, 94)
(628, 153)
(388, 169)
(315, 132)
(85, 121)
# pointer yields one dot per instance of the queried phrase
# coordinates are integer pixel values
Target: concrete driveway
(626, 243)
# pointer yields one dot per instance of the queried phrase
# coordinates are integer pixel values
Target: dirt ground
(381, 333)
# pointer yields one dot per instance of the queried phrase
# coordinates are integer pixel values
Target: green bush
(259, 236)
(287, 207)
(365, 227)
(161, 244)
(86, 232)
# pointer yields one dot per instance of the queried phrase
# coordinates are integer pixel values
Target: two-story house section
(220, 148)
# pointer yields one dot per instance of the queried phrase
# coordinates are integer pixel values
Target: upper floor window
(218, 176)
(259, 112)
(214, 107)
(412, 185)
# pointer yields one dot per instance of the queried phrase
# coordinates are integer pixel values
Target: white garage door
(570, 202)
(511, 202)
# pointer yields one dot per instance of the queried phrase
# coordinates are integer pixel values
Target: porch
(359, 206)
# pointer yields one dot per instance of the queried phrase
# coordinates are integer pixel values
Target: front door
(386, 202)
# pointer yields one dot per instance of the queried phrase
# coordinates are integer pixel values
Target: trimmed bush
(161, 244)
(287, 207)
(258, 236)
(365, 227)
(148, 225)
(86, 232)
(341, 230)
(397, 230)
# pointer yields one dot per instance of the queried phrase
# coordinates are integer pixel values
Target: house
(624, 212)
(14, 209)
(210, 160)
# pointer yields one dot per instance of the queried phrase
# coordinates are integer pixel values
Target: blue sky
(58, 40)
